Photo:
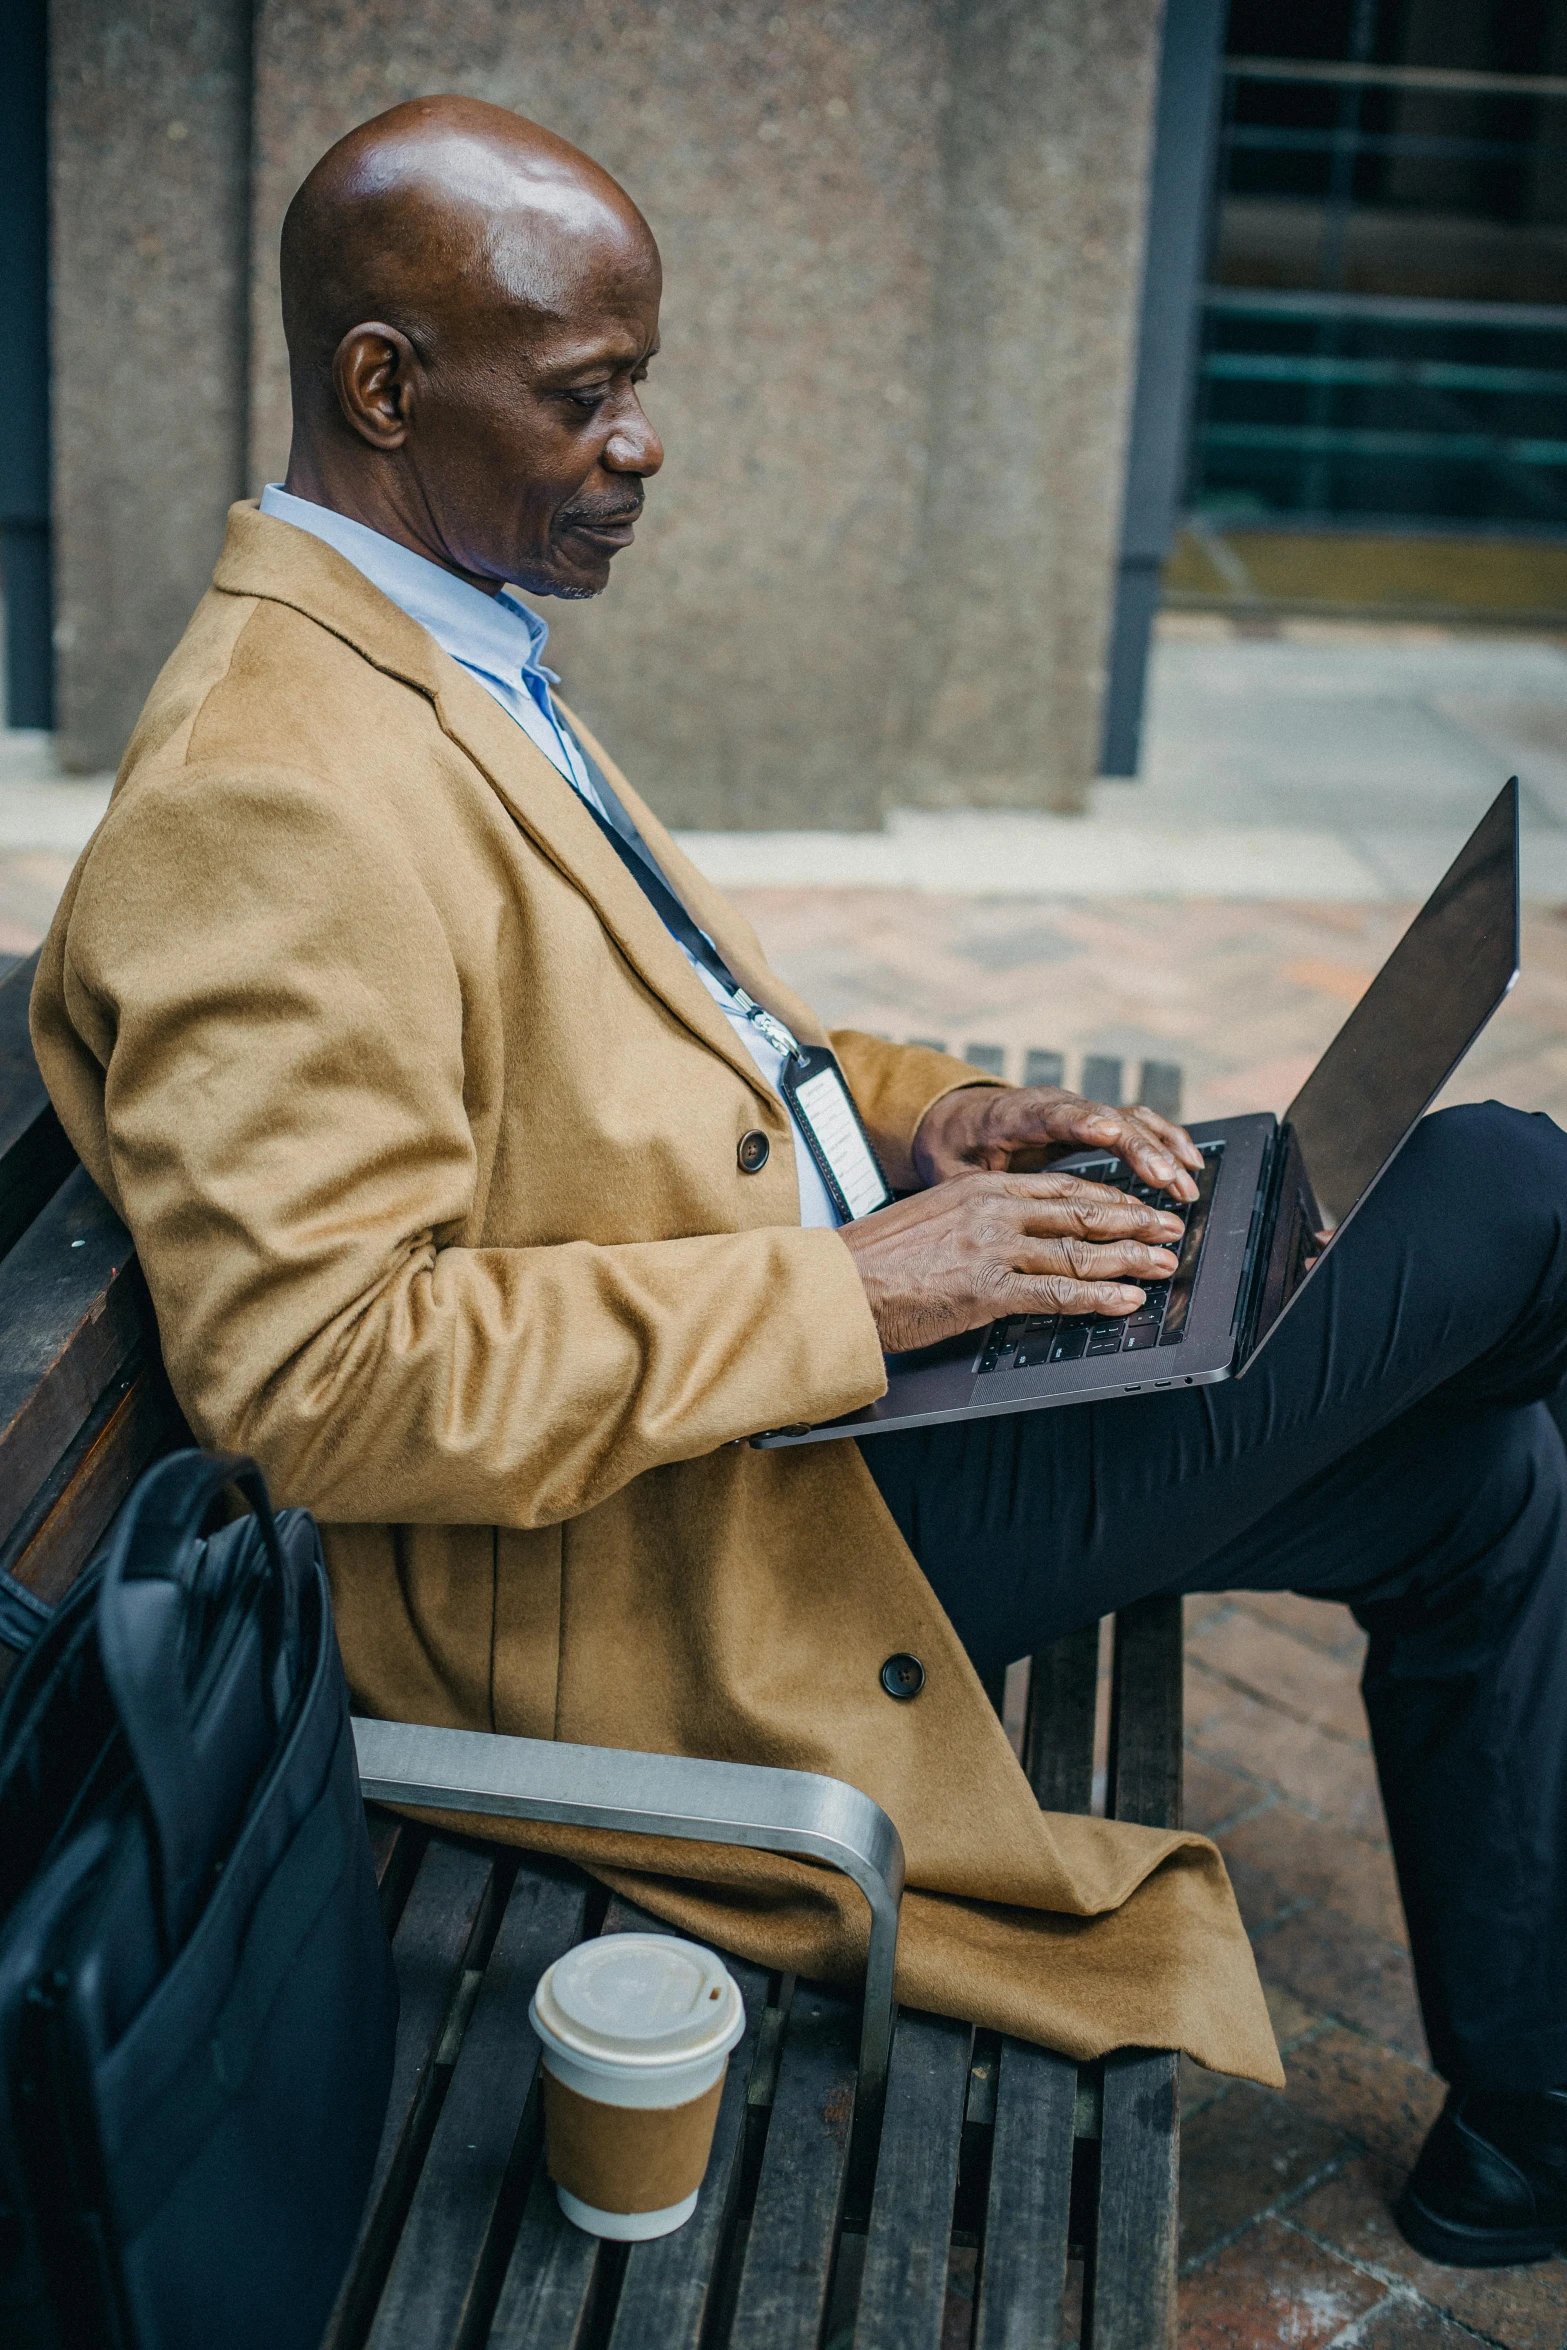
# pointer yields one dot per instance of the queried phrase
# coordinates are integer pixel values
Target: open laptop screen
(1415, 1021)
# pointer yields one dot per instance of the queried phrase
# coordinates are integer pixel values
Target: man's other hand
(987, 1243)
(1030, 1125)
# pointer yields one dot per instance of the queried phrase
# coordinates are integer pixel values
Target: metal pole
(1179, 196)
(1333, 253)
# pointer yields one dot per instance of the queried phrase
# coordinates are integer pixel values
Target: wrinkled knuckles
(1099, 1216)
(1057, 1295)
(1084, 1257)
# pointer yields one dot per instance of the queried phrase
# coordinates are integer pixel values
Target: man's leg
(1451, 1281)
(1383, 1451)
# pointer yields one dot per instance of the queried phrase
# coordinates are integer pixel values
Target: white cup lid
(639, 2000)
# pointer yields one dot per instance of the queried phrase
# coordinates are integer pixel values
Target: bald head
(438, 212)
(453, 274)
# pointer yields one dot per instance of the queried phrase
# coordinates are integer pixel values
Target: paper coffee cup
(637, 2030)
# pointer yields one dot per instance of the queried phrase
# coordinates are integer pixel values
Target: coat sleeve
(250, 1020)
(893, 1086)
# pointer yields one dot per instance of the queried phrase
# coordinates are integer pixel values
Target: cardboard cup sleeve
(627, 2158)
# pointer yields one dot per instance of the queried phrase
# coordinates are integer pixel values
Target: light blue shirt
(500, 643)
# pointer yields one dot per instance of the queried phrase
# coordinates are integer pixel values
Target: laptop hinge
(1253, 1280)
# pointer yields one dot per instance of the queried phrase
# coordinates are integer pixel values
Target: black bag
(197, 2007)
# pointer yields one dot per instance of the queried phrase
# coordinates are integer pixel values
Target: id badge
(813, 1086)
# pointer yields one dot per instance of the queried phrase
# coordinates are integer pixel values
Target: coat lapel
(265, 556)
(708, 906)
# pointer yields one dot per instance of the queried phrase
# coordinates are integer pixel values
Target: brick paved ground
(1286, 2235)
(1244, 995)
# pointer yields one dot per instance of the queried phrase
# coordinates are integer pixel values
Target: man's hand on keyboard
(1027, 1126)
(990, 1243)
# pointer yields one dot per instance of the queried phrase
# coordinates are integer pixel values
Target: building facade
(903, 245)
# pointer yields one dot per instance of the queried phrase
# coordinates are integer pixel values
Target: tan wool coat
(425, 1130)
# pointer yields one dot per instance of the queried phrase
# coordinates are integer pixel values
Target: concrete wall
(1032, 354)
(149, 130)
(902, 244)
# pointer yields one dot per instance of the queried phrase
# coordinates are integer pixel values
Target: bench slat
(787, 2268)
(1129, 2288)
(74, 1316)
(903, 2290)
(35, 1157)
(446, 2252)
(1023, 2273)
(135, 1423)
(1159, 1088)
(1058, 1728)
(1145, 1715)
(550, 2290)
(83, 1408)
(443, 1910)
(668, 2286)
(386, 1832)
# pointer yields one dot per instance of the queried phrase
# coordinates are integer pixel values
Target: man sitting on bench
(442, 1099)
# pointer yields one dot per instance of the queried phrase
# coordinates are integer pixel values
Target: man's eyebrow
(598, 362)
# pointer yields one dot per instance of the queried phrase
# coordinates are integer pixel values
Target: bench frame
(855, 2150)
(662, 1795)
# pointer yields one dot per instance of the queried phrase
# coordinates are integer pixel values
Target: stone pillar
(786, 155)
(901, 241)
(150, 148)
(1046, 149)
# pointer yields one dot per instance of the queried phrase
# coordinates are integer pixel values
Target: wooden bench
(1001, 2196)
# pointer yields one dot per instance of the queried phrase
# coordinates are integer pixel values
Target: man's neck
(343, 491)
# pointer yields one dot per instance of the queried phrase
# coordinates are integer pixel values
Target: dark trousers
(1390, 1449)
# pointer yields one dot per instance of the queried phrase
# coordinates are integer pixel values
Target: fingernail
(1164, 1164)
(1135, 1295)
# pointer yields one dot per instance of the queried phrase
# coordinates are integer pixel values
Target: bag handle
(141, 1619)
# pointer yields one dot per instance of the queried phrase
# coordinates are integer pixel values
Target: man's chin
(570, 587)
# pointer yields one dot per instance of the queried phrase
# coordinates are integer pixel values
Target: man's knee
(1511, 1161)
(1486, 1513)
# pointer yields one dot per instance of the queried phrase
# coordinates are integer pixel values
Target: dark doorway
(1385, 334)
(24, 368)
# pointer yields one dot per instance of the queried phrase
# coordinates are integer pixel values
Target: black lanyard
(810, 1081)
(629, 848)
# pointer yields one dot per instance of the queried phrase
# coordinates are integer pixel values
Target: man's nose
(634, 446)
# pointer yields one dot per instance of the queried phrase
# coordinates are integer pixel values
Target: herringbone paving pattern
(1287, 2242)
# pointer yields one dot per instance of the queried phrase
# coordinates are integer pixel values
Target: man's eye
(590, 396)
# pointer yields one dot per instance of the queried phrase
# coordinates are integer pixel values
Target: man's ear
(373, 371)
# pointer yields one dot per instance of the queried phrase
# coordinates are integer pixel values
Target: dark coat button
(903, 1675)
(754, 1152)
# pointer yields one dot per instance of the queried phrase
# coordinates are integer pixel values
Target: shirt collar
(496, 635)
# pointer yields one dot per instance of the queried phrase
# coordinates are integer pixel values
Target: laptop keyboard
(1024, 1342)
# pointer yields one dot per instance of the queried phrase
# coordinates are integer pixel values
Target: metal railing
(698, 1801)
(1315, 398)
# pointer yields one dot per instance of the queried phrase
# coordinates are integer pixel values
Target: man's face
(528, 445)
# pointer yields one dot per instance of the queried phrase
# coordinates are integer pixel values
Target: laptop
(1273, 1195)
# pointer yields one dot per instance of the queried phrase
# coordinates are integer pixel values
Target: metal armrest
(662, 1795)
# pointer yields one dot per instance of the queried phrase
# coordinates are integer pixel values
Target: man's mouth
(613, 528)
